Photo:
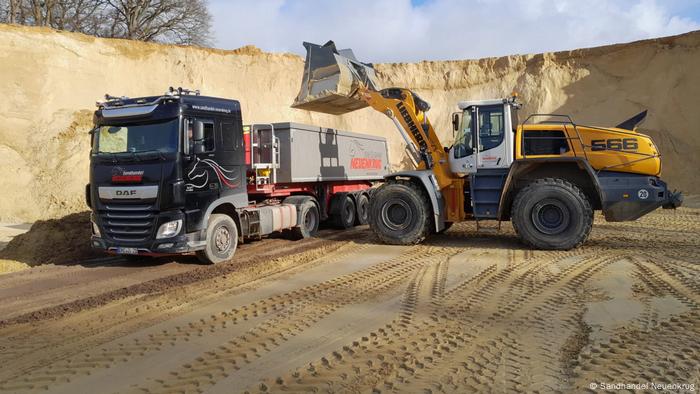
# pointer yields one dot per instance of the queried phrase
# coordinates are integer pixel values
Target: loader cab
(484, 134)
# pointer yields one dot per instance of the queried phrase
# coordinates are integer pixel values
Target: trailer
(180, 173)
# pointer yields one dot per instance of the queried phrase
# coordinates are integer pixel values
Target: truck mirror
(198, 132)
(455, 122)
(198, 147)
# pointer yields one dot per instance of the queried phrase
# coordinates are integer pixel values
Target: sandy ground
(464, 312)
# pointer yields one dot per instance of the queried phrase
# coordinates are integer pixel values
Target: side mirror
(455, 122)
(198, 132)
(198, 137)
(92, 134)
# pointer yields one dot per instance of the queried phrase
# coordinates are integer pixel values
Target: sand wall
(50, 81)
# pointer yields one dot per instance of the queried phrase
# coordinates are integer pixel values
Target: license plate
(127, 251)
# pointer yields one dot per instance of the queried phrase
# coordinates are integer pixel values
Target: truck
(180, 173)
(546, 174)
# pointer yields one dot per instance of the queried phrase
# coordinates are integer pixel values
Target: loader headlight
(169, 229)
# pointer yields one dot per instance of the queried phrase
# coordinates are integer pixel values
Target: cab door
(495, 150)
(202, 185)
(463, 153)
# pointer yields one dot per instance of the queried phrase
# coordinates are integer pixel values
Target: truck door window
(209, 137)
(230, 139)
(491, 127)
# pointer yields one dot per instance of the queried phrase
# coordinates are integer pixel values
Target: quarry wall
(50, 81)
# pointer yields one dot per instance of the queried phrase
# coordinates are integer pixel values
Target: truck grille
(127, 222)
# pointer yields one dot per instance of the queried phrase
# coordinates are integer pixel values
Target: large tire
(222, 240)
(309, 219)
(400, 213)
(552, 214)
(344, 218)
(362, 209)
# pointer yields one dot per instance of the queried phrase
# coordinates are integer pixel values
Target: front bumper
(148, 245)
(175, 245)
(629, 196)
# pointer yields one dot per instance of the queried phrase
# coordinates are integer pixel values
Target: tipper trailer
(180, 173)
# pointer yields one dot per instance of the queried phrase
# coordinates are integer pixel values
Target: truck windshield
(159, 137)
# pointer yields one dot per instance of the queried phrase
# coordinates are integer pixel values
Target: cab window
(491, 127)
(463, 145)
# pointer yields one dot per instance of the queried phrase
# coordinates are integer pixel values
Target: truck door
(201, 178)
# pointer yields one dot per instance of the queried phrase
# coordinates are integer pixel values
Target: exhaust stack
(331, 79)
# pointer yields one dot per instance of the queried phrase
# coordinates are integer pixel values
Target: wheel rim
(362, 210)
(310, 220)
(551, 216)
(349, 217)
(222, 239)
(396, 214)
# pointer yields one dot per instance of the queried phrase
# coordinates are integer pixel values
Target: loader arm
(407, 111)
(335, 82)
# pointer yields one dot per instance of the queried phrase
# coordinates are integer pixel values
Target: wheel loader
(546, 174)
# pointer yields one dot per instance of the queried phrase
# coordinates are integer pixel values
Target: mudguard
(426, 178)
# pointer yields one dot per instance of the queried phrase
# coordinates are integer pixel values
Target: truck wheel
(552, 214)
(345, 218)
(400, 213)
(309, 218)
(222, 240)
(362, 209)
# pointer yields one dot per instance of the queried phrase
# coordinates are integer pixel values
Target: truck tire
(362, 209)
(400, 213)
(345, 217)
(552, 214)
(222, 240)
(309, 218)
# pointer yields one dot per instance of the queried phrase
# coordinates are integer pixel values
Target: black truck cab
(157, 166)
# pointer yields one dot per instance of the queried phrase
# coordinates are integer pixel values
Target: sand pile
(51, 81)
(54, 241)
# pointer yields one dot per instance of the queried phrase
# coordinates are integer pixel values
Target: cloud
(401, 30)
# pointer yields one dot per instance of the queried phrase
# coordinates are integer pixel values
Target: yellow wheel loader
(545, 174)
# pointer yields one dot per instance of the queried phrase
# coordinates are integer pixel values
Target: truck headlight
(169, 229)
(95, 229)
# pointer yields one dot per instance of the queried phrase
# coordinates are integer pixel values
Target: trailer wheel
(552, 214)
(222, 240)
(345, 217)
(309, 218)
(400, 213)
(362, 209)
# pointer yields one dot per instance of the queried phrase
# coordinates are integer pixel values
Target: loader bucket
(331, 78)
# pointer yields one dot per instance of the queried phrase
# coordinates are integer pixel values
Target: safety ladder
(264, 154)
(486, 187)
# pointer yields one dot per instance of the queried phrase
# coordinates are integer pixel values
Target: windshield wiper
(159, 152)
(111, 155)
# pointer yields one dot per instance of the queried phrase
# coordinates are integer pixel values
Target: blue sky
(413, 30)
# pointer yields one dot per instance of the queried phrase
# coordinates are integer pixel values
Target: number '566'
(615, 144)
